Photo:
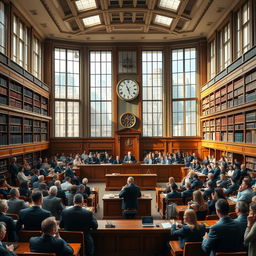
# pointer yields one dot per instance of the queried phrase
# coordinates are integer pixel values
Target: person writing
(130, 192)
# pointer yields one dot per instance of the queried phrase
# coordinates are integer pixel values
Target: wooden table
(24, 247)
(97, 172)
(117, 181)
(112, 207)
(159, 191)
(128, 238)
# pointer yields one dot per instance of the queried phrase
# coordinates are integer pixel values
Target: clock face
(128, 120)
(127, 89)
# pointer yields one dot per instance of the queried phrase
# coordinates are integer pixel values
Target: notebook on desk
(147, 221)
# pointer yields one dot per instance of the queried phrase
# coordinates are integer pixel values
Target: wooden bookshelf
(18, 96)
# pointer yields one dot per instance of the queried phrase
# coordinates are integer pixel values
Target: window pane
(3, 28)
(101, 93)
(152, 96)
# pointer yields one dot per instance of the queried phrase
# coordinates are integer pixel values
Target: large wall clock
(127, 89)
(127, 120)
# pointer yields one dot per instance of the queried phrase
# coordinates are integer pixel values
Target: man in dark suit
(237, 173)
(10, 225)
(14, 203)
(36, 184)
(50, 241)
(52, 203)
(117, 160)
(14, 169)
(32, 217)
(242, 210)
(129, 158)
(77, 218)
(70, 173)
(188, 192)
(34, 178)
(5, 250)
(87, 188)
(225, 235)
(61, 193)
(174, 193)
(130, 192)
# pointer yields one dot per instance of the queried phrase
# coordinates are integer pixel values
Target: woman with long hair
(216, 195)
(199, 205)
(168, 185)
(191, 231)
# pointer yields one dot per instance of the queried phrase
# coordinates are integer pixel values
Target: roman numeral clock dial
(127, 89)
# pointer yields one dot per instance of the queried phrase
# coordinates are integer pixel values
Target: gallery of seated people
(128, 127)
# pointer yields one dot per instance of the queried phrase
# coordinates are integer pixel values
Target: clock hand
(128, 89)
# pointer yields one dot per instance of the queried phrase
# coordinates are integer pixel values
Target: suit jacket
(231, 188)
(69, 172)
(185, 234)
(34, 178)
(115, 162)
(236, 174)
(173, 194)
(15, 205)
(31, 218)
(224, 236)
(130, 193)
(61, 194)
(187, 193)
(14, 168)
(5, 252)
(87, 190)
(245, 195)
(54, 205)
(10, 227)
(242, 221)
(196, 183)
(49, 244)
(128, 159)
(76, 218)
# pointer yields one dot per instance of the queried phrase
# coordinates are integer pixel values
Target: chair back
(231, 253)
(39, 254)
(193, 249)
(13, 216)
(178, 201)
(212, 217)
(24, 235)
(74, 237)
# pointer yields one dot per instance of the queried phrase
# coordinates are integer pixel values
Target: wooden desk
(24, 247)
(117, 181)
(97, 172)
(95, 191)
(112, 207)
(159, 191)
(129, 238)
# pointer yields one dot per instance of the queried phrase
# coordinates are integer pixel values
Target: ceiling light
(170, 4)
(83, 5)
(92, 21)
(163, 20)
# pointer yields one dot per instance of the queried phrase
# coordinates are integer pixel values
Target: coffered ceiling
(124, 20)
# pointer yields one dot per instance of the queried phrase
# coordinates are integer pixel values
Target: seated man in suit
(242, 210)
(32, 217)
(52, 203)
(61, 193)
(232, 188)
(188, 192)
(130, 192)
(50, 241)
(40, 180)
(129, 158)
(14, 203)
(10, 225)
(117, 160)
(225, 235)
(87, 188)
(5, 250)
(174, 192)
(244, 192)
(67, 184)
(70, 173)
(209, 189)
(79, 219)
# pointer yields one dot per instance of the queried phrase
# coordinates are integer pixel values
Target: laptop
(147, 221)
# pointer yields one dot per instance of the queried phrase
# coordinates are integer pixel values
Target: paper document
(166, 225)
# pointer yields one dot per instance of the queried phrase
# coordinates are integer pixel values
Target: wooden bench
(190, 249)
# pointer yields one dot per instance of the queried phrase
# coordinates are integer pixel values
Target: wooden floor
(102, 191)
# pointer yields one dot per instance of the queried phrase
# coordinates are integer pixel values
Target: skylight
(163, 20)
(92, 21)
(170, 4)
(83, 5)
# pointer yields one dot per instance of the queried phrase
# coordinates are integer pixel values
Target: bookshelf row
(18, 130)
(240, 128)
(30, 157)
(16, 95)
(240, 91)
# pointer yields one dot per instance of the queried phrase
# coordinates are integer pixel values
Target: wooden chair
(178, 201)
(74, 237)
(13, 216)
(212, 217)
(193, 249)
(39, 254)
(175, 249)
(24, 235)
(231, 253)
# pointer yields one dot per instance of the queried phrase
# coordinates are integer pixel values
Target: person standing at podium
(130, 193)
(129, 158)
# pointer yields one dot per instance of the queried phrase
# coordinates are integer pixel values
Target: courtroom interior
(128, 127)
